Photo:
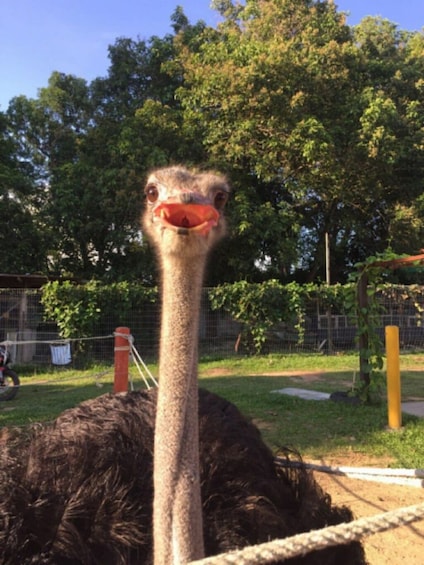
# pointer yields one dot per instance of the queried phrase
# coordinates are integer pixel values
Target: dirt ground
(365, 498)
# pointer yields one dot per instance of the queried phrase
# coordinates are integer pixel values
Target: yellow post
(393, 377)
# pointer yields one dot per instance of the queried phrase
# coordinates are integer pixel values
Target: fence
(22, 324)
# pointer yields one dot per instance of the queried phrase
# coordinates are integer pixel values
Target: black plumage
(79, 490)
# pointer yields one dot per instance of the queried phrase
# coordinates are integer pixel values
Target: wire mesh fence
(31, 338)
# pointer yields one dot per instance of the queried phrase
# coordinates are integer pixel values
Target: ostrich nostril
(187, 198)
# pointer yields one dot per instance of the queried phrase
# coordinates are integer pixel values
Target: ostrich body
(79, 491)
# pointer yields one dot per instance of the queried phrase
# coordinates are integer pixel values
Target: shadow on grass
(315, 428)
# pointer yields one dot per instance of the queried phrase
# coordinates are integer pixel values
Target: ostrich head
(183, 203)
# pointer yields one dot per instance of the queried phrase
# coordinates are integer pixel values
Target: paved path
(415, 408)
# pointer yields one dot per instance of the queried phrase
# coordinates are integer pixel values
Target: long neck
(177, 514)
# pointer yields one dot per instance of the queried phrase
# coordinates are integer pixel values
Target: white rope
(406, 477)
(302, 544)
(402, 481)
(59, 341)
(142, 368)
(129, 337)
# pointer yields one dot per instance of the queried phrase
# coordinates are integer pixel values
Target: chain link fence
(31, 338)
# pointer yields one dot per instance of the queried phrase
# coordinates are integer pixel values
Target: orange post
(122, 354)
(393, 378)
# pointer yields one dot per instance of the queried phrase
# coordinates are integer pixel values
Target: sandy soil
(400, 545)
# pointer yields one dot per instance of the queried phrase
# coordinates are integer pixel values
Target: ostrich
(80, 490)
(183, 221)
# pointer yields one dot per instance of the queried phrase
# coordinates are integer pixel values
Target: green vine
(257, 307)
(79, 310)
(366, 309)
(260, 306)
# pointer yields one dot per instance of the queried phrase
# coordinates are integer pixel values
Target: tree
(319, 126)
(21, 241)
(285, 93)
(89, 148)
(257, 87)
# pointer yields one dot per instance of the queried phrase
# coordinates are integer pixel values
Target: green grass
(281, 362)
(319, 429)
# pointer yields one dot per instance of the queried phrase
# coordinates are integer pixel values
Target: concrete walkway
(303, 393)
(415, 408)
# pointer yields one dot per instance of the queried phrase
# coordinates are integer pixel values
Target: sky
(38, 37)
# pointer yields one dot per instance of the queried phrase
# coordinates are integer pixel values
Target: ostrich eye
(220, 200)
(152, 193)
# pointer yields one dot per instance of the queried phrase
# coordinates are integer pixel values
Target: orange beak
(199, 218)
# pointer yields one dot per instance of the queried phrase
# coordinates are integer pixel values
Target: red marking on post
(122, 354)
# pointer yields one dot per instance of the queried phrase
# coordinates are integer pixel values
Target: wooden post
(122, 352)
(364, 371)
(393, 377)
(328, 282)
